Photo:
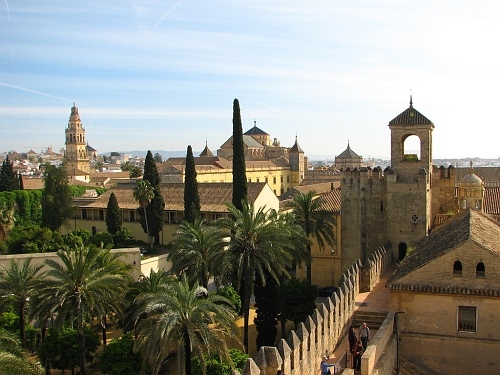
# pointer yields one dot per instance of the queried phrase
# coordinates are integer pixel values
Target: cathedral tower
(76, 158)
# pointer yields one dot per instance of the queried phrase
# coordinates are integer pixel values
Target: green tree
(239, 168)
(316, 222)
(266, 322)
(156, 282)
(143, 194)
(14, 360)
(158, 158)
(60, 347)
(118, 357)
(299, 300)
(33, 239)
(89, 282)
(102, 239)
(186, 321)
(192, 205)
(113, 215)
(7, 220)
(198, 251)
(127, 166)
(8, 179)
(151, 171)
(156, 215)
(122, 237)
(20, 280)
(214, 366)
(261, 243)
(135, 172)
(57, 202)
(156, 207)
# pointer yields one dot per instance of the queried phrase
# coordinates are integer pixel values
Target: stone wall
(324, 329)
(375, 267)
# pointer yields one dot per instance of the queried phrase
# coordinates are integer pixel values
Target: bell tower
(76, 157)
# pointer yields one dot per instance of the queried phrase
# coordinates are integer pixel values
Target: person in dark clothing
(352, 338)
(357, 353)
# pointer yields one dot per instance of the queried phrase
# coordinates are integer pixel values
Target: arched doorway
(402, 251)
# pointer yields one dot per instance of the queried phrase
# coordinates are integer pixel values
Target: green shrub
(118, 357)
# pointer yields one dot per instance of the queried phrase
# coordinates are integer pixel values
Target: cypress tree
(57, 202)
(150, 171)
(192, 205)
(8, 179)
(113, 215)
(239, 168)
(156, 208)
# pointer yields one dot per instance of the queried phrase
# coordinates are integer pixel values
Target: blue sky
(164, 74)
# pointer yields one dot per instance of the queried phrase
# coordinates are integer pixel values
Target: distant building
(266, 161)
(348, 159)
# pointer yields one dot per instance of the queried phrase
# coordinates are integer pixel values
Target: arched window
(480, 270)
(411, 148)
(457, 269)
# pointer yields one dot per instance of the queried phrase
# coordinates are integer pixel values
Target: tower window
(467, 318)
(478, 204)
(480, 270)
(457, 269)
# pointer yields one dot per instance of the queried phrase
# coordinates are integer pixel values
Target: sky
(151, 75)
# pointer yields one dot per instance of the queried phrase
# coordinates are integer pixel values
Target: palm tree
(143, 194)
(261, 244)
(316, 222)
(20, 281)
(156, 282)
(13, 360)
(184, 320)
(90, 282)
(7, 220)
(198, 251)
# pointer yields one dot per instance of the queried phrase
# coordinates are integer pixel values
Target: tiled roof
(489, 175)
(213, 196)
(331, 201)
(32, 183)
(348, 154)
(255, 131)
(410, 116)
(296, 147)
(469, 225)
(250, 142)
(491, 203)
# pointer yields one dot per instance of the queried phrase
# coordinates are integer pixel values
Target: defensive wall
(324, 329)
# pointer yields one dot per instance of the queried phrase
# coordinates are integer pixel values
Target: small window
(480, 270)
(467, 318)
(457, 269)
(274, 180)
(478, 204)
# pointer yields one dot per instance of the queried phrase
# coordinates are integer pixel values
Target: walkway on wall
(375, 301)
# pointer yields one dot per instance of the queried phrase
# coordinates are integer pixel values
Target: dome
(471, 180)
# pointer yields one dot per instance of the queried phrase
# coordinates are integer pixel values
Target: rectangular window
(274, 180)
(467, 318)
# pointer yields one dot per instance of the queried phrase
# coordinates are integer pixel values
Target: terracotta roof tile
(213, 196)
(469, 225)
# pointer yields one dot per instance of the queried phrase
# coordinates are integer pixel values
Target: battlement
(324, 329)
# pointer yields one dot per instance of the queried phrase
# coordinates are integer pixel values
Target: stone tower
(409, 188)
(76, 157)
(297, 162)
(393, 205)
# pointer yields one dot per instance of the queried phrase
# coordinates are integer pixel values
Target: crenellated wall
(324, 329)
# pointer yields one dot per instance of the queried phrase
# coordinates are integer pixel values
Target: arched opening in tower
(411, 148)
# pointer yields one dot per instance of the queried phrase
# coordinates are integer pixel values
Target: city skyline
(162, 75)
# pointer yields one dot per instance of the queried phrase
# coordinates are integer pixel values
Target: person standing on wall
(364, 335)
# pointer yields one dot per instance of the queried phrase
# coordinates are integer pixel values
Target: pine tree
(113, 215)
(239, 168)
(191, 197)
(57, 202)
(8, 179)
